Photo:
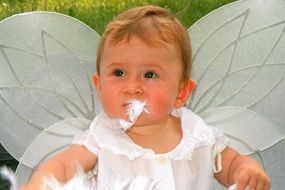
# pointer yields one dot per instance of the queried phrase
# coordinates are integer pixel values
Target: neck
(150, 130)
(161, 137)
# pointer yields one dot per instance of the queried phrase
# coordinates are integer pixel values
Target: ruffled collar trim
(109, 136)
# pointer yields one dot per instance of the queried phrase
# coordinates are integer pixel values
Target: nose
(133, 87)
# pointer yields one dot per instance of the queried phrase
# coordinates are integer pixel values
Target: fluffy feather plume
(234, 187)
(79, 182)
(9, 175)
(134, 109)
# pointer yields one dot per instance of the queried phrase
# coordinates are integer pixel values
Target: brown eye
(150, 75)
(119, 73)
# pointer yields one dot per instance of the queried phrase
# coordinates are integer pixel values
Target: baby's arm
(62, 166)
(242, 170)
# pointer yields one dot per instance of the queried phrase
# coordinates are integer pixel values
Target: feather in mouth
(134, 109)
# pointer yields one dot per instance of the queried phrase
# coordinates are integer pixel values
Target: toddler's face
(134, 70)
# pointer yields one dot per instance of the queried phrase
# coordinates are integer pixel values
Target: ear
(185, 91)
(96, 81)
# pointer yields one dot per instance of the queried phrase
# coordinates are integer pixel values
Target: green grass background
(96, 14)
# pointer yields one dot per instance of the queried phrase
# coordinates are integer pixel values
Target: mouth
(134, 109)
(135, 103)
(126, 104)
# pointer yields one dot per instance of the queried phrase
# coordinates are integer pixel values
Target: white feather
(9, 175)
(134, 109)
(80, 181)
(234, 187)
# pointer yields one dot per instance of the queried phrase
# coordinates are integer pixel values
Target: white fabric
(124, 165)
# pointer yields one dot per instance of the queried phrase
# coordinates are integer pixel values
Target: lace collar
(109, 136)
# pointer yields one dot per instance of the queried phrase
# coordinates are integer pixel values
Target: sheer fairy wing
(239, 66)
(46, 96)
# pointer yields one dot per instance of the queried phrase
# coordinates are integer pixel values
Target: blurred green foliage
(97, 13)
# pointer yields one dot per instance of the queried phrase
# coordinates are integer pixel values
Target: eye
(119, 73)
(150, 75)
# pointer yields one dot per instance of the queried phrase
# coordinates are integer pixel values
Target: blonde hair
(153, 25)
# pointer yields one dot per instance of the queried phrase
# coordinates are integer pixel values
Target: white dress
(124, 165)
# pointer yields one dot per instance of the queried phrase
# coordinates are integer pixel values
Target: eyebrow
(114, 64)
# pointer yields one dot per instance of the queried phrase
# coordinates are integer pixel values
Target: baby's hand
(252, 176)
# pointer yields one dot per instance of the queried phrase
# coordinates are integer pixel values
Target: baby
(145, 55)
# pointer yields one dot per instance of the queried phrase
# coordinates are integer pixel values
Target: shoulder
(194, 127)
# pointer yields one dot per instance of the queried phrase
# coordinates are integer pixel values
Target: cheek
(109, 88)
(108, 95)
(111, 105)
(160, 99)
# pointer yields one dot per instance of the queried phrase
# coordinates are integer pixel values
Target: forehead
(152, 39)
(152, 42)
(135, 46)
(138, 54)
